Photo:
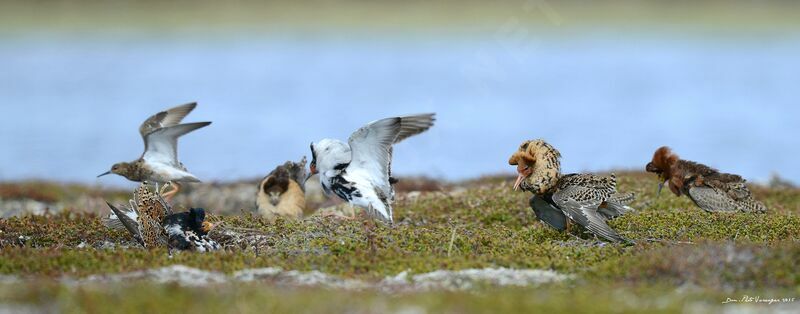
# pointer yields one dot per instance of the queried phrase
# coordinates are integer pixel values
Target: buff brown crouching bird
(281, 192)
(711, 190)
(586, 199)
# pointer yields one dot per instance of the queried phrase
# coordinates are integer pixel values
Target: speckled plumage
(151, 223)
(709, 189)
(587, 199)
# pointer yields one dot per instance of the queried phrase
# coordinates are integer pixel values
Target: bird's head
(120, 168)
(275, 184)
(326, 155)
(197, 221)
(538, 166)
(525, 163)
(662, 165)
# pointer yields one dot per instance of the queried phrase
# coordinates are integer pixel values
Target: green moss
(486, 225)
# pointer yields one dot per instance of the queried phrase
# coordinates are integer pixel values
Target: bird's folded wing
(161, 145)
(413, 125)
(166, 118)
(583, 210)
(370, 147)
(547, 213)
(711, 199)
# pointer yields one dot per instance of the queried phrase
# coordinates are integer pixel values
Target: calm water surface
(70, 107)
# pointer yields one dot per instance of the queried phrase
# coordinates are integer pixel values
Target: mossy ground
(477, 224)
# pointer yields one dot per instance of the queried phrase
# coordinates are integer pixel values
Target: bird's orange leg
(176, 187)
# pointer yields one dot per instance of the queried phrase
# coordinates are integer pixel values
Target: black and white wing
(580, 205)
(166, 118)
(161, 145)
(413, 125)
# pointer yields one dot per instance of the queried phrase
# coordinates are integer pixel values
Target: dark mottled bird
(708, 188)
(152, 224)
(281, 192)
(586, 199)
(359, 171)
(159, 162)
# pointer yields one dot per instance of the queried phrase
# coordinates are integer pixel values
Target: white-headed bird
(359, 171)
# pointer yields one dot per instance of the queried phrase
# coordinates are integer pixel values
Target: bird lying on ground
(150, 221)
(709, 189)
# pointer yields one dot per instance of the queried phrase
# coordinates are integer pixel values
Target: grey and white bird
(159, 162)
(359, 171)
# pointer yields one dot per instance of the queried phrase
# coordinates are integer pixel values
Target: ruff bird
(281, 192)
(586, 199)
(159, 162)
(151, 222)
(359, 171)
(709, 189)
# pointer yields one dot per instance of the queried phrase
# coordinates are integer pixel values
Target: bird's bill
(520, 178)
(660, 187)
(207, 226)
(104, 173)
(312, 171)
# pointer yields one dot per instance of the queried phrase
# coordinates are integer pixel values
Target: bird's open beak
(312, 171)
(104, 173)
(520, 178)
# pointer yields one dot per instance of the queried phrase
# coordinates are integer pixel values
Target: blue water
(70, 107)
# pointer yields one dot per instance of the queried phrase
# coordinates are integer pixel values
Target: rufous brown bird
(711, 190)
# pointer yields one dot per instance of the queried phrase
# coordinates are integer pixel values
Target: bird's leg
(567, 227)
(169, 195)
(352, 211)
(369, 225)
(163, 188)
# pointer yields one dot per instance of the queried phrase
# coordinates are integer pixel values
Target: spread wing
(579, 205)
(166, 118)
(413, 125)
(161, 145)
(370, 147)
(131, 225)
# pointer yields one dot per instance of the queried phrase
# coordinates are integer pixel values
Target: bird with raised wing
(709, 189)
(586, 199)
(159, 162)
(359, 171)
